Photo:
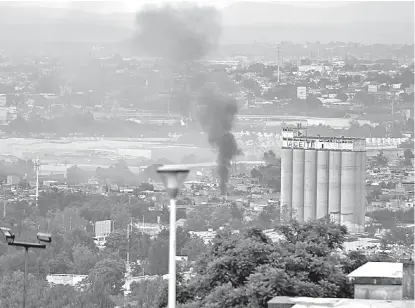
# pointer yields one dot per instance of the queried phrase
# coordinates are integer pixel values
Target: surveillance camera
(44, 237)
(8, 234)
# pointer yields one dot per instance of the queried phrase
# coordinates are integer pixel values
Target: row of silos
(315, 183)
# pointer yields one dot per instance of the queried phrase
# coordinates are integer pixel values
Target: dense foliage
(248, 269)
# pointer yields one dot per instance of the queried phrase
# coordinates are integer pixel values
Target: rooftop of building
(378, 269)
(308, 302)
(322, 138)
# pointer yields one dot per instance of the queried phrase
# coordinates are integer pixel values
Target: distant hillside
(58, 25)
(364, 22)
(248, 13)
(367, 33)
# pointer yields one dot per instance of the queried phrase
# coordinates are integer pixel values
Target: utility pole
(4, 203)
(128, 251)
(278, 63)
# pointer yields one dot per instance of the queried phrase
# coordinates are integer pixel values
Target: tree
(408, 154)
(11, 287)
(84, 259)
(75, 175)
(268, 217)
(61, 264)
(24, 184)
(147, 292)
(252, 85)
(140, 244)
(158, 257)
(247, 269)
(107, 275)
(118, 173)
(182, 237)
(194, 248)
(78, 236)
(220, 217)
(399, 235)
(255, 173)
(198, 219)
(65, 296)
(269, 175)
(271, 159)
(381, 159)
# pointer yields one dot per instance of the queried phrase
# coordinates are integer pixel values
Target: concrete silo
(335, 161)
(362, 218)
(348, 189)
(298, 185)
(358, 192)
(286, 183)
(310, 184)
(322, 202)
(323, 175)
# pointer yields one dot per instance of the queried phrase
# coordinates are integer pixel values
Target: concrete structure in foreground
(323, 176)
(384, 280)
(377, 280)
(309, 302)
(376, 284)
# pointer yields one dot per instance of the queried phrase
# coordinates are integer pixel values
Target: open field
(100, 151)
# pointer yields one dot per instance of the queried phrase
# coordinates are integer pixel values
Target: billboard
(335, 144)
(372, 88)
(302, 92)
(103, 228)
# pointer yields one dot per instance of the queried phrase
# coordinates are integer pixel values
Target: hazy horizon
(244, 21)
(114, 6)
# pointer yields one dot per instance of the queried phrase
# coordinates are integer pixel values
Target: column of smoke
(181, 35)
(216, 114)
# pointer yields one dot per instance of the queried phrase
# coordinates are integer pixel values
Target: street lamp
(42, 237)
(173, 177)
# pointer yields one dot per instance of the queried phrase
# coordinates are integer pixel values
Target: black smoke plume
(178, 34)
(216, 114)
(181, 35)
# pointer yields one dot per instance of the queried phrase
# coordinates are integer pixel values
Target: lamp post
(173, 177)
(42, 237)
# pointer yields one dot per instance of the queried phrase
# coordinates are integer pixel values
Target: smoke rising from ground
(177, 33)
(216, 115)
(181, 35)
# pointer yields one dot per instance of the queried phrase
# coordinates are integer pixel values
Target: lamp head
(8, 234)
(44, 237)
(173, 176)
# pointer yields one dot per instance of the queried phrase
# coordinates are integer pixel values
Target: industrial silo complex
(323, 176)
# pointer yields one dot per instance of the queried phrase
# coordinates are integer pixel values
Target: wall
(348, 189)
(286, 183)
(379, 292)
(298, 185)
(408, 279)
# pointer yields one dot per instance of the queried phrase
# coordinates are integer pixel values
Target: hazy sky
(132, 6)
